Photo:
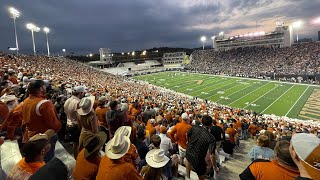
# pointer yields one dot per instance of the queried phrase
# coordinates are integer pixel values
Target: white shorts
(182, 152)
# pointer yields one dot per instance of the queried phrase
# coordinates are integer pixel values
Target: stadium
(245, 107)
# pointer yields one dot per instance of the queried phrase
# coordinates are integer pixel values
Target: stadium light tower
(33, 28)
(213, 39)
(203, 39)
(221, 34)
(14, 14)
(47, 30)
(297, 25)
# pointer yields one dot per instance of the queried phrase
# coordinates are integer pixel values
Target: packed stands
(300, 59)
(142, 119)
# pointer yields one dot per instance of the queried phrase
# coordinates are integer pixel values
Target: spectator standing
(217, 132)
(114, 118)
(166, 143)
(253, 129)
(101, 110)
(88, 119)
(227, 145)
(232, 133)
(39, 115)
(179, 134)
(70, 108)
(201, 141)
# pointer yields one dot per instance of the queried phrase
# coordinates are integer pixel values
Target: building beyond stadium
(280, 37)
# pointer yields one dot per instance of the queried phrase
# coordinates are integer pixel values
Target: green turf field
(268, 97)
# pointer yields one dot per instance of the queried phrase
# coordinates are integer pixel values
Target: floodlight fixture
(14, 14)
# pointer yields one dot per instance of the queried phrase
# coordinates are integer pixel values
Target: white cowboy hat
(8, 98)
(117, 147)
(86, 105)
(124, 130)
(156, 158)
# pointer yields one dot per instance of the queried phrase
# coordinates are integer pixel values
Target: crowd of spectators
(126, 129)
(300, 59)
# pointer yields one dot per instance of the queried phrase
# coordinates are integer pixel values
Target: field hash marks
(277, 99)
(312, 106)
(297, 100)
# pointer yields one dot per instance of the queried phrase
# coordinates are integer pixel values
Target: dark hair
(214, 122)
(32, 149)
(101, 103)
(113, 104)
(141, 133)
(155, 140)
(206, 120)
(269, 134)
(34, 86)
(282, 152)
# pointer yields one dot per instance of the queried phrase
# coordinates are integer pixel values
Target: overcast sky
(83, 26)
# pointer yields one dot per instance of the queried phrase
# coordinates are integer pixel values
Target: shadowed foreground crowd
(125, 129)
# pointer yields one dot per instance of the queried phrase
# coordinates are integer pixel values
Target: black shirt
(217, 132)
(200, 141)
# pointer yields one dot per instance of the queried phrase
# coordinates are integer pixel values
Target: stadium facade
(281, 37)
(174, 58)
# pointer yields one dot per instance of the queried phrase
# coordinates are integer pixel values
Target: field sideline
(268, 97)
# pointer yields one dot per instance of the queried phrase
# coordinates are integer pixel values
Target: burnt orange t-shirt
(101, 113)
(179, 133)
(85, 169)
(266, 170)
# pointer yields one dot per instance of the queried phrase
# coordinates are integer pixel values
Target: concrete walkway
(234, 166)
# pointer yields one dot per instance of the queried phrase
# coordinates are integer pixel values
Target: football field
(267, 97)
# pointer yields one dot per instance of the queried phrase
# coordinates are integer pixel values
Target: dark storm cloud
(84, 26)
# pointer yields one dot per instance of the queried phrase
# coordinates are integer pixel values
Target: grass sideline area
(267, 97)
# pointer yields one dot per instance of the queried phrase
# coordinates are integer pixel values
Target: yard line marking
(297, 101)
(261, 96)
(248, 94)
(278, 98)
(218, 88)
(224, 90)
(237, 91)
(213, 82)
(205, 81)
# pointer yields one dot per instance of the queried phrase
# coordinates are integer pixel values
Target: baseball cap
(307, 147)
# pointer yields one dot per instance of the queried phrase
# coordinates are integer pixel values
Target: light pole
(14, 14)
(297, 25)
(221, 34)
(33, 28)
(47, 30)
(203, 39)
(65, 52)
(213, 39)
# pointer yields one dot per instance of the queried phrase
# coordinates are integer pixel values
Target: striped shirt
(200, 141)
